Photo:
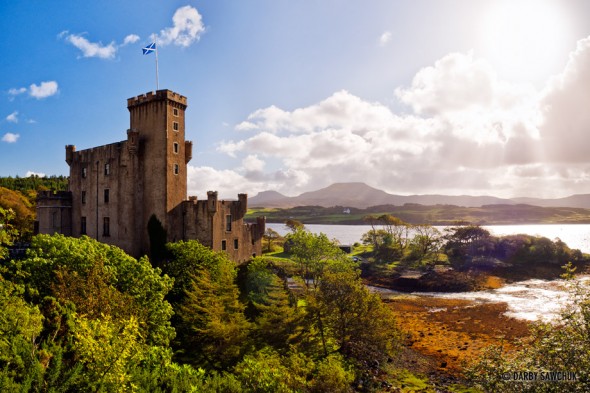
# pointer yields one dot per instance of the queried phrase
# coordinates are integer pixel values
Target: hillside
(362, 196)
(433, 215)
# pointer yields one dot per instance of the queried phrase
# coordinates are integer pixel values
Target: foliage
(268, 372)
(363, 328)
(426, 243)
(22, 213)
(270, 236)
(20, 325)
(391, 240)
(280, 322)
(24, 184)
(313, 254)
(214, 328)
(185, 260)
(7, 231)
(294, 225)
(107, 347)
(53, 261)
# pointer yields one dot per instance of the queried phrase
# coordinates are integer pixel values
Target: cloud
(91, 49)
(10, 137)
(13, 117)
(228, 182)
(130, 39)
(187, 27)
(466, 132)
(97, 49)
(565, 121)
(44, 90)
(384, 38)
(17, 91)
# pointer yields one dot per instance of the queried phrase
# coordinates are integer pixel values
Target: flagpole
(157, 75)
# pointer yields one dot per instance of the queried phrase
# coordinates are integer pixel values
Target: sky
(478, 97)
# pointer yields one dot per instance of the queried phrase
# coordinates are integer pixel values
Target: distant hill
(362, 196)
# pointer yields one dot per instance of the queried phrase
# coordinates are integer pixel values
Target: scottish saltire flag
(149, 48)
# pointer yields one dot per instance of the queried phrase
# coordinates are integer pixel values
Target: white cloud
(10, 137)
(187, 28)
(130, 39)
(31, 173)
(384, 38)
(252, 163)
(565, 117)
(13, 117)
(17, 91)
(91, 49)
(468, 132)
(44, 90)
(228, 182)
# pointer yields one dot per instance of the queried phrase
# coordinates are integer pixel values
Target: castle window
(83, 226)
(83, 197)
(175, 126)
(235, 244)
(223, 245)
(106, 226)
(107, 169)
(176, 169)
(106, 195)
(175, 112)
(175, 147)
(84, 172)
(228, 223)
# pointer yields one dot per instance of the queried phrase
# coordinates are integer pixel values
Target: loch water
(529, 300)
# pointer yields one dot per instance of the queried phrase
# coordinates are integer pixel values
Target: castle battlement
(158, 95)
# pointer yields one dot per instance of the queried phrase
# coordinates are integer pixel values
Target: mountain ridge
(360, 195)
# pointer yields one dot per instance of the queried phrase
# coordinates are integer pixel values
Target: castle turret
(212, 201)
(188, 151)
(70, 150)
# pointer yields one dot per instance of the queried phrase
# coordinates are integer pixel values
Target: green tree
(268, 372)
(23, 212)
(108, 348)
(280, 322)
(426, 243)
(214, 330)
(294, 225)
(7, 231)
(362, 326)
(270, 235)
(185, 261)
(313, 254)
(397, 229)
(54, 260)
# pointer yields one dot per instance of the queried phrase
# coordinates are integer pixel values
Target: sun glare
(526, 40)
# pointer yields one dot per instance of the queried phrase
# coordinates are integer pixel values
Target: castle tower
(158, 121)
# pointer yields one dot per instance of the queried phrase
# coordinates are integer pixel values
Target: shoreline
(453, 332)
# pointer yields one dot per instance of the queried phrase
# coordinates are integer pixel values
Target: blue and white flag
(149, 48)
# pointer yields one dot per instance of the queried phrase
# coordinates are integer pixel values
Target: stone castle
(116, 190)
